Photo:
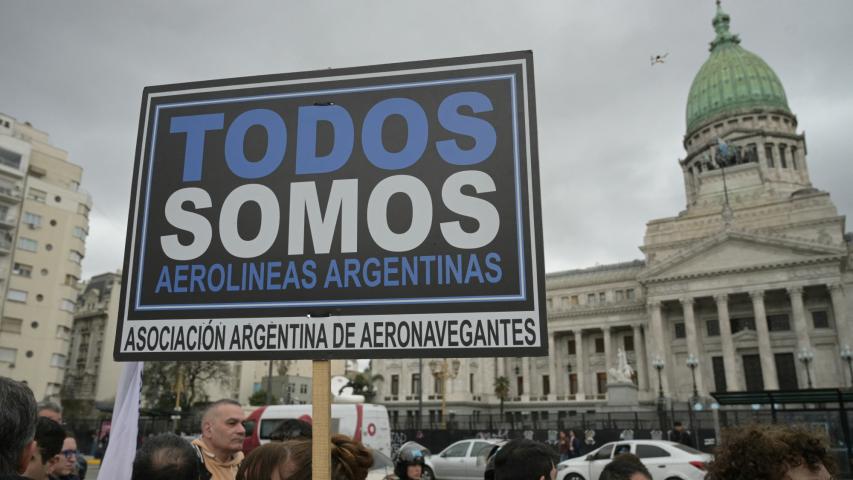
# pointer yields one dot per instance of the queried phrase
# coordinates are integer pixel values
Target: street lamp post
(806, 356)
(442, 371)
(659, 364)
(693, 362)
(847, 355)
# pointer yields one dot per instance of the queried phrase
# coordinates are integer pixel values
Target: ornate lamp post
(847, 355)
(806, 356)
(693, 362)
(442, 371)
(659, 364)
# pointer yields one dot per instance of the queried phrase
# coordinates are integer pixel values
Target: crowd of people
(35, 446)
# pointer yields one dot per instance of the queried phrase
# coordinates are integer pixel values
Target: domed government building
(747, 289)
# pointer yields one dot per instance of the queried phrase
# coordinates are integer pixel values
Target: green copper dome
(732, 80)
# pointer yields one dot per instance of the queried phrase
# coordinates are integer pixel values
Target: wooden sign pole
(321, 399)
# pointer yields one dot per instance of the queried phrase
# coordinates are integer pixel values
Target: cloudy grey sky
(610, 126)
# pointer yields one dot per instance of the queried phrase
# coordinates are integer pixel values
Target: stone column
(658, 348)
(553, 360)
(839, 312)
(693, 340)
(501, 366)
(765, 352)
(580, 364)
(640, 355)
(608, 352)
(733, 381)
(801, 325)
(525, 375)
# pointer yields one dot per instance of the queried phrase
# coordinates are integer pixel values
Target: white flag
(121, 450)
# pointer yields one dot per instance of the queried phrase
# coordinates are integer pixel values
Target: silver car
(665, 460)
(463, 460)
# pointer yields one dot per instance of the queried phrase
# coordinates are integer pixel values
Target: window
(603, 453)
(291, 387)
(80, 233)
(752, 373)
(794, 157)
(71, 280)
(8, 355)
(602, 298)
(820, 319)
(622, 448)
(37, 195)
(520, 385)
(719, 368)
(679, 330)
(546, 385)
(599, 345)
(572, 347)
(629, 294)
(590, 299)
(67, 305)
(75, 256)
(628, 342)
(11, 325)
(778, 323)
(57, 360)
(574, 300)
(16, 295)
(712, 327)
(457, 450)
(786, 371)
(651, 451)
(471, 382)
(395, 385)
(782, 160)
(10, 159)
(573, 383)
(436, 386)
(83, 209)
(28, 244)
(32, 220)
(63, 332)
(303, 388)
(768, 153)
(416, 384)
(741, 324)
(601, 381)
(619, 295)
(22, 270)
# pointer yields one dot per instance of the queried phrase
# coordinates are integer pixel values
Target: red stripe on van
(359, 418)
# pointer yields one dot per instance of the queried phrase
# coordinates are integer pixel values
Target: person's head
(291, 460)
(409, 464)
(571, 433)
(50, 410)
(677, 426)
(67, 457)
(222, 427)
(49, 438)
(291, 429)
(772, 451)
(523, 459)
(17, 426)
(625, 467)
(165, 457)
(563, 435)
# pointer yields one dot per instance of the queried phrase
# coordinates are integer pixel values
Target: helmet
(410, 453)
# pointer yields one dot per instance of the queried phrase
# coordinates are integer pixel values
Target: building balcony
(9, 194)
(9, 222)
(5, 247)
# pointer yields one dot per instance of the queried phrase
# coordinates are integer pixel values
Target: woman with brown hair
(291, 460)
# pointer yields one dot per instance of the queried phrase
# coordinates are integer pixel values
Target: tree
(160, 382)
(258, 398)
(362, 384)
(502, 391)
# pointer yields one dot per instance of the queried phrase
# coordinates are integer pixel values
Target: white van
(363, 422)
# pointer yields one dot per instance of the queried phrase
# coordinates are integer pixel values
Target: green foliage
(362, 384)
(160, 378)
(258, 398)
(502, 391)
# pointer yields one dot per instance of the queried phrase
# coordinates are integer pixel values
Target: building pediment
(736, 251)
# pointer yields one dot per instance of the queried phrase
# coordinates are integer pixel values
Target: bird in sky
(658, 58)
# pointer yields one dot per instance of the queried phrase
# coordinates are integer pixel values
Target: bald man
(221, 440)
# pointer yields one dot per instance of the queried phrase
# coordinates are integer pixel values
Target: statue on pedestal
(623, 373)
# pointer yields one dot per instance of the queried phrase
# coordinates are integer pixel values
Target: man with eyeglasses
(65, 468)
(54, 412)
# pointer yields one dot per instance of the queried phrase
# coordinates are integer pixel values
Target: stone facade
(750, 276)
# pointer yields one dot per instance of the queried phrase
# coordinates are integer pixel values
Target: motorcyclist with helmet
(409, 462)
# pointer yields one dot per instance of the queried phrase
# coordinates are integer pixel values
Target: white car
(463, 460)
(665, 460)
